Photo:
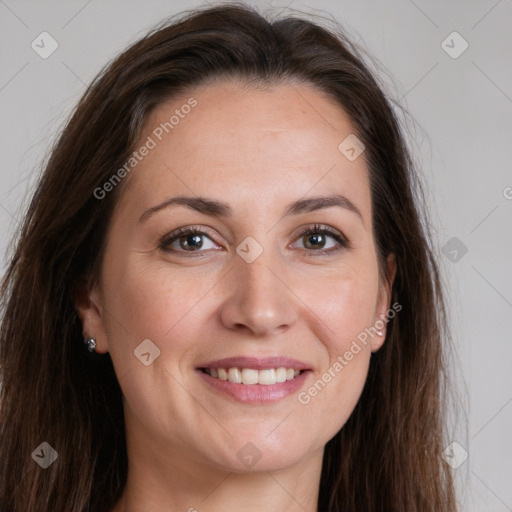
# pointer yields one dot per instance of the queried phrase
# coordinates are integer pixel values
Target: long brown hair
(387, 457)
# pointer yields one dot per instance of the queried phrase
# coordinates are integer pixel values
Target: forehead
(254, 146)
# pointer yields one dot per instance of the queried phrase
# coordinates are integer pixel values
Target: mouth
(253, 380)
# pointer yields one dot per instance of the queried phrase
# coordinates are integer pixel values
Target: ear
(383, 303)
(89, 305)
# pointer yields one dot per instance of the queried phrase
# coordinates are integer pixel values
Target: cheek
(346, 311)
(345, 303)
(331, 399)
(149, 302)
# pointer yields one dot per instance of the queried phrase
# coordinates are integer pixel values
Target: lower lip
(256, 393)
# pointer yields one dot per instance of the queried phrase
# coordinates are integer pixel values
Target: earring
(379, 333)
(91, 343)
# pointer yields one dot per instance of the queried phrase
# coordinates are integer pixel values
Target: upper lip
(256, 363)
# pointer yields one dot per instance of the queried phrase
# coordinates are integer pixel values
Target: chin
(257, 453)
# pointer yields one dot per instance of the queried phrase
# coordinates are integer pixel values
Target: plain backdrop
(449, 63)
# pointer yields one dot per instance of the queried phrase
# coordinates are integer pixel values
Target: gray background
(462, 139)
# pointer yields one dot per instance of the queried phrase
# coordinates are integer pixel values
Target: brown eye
(314, 241)
(187, 239)
(317, 237)
(190, 241)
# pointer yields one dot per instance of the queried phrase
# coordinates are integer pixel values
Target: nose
(259, 301)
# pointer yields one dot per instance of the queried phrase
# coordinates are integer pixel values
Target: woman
(230, 222)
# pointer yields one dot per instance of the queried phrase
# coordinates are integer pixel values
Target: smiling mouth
(251, 376)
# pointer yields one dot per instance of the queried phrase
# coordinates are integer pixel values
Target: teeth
(267, 377)
(251, 376)
(281, 375)
(235, 375)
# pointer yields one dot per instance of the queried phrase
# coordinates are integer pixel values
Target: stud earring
(91, 343)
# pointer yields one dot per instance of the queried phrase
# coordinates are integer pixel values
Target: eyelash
(169, 238)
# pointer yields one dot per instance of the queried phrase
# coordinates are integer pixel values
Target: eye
(314, 238)
(188, 239)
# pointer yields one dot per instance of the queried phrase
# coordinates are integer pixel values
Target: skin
(257, 150)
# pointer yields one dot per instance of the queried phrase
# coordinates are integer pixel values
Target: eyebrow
(219, 209)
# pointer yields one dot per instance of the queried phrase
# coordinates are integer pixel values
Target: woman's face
(249, 284)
